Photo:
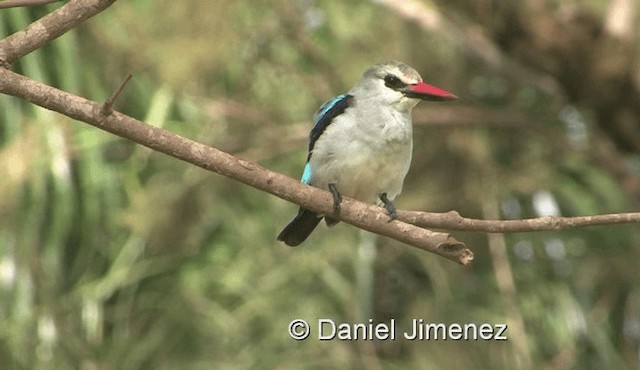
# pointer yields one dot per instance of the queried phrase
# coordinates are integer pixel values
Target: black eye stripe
(393, 82)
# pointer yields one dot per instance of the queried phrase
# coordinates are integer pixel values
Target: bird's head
(397, 85)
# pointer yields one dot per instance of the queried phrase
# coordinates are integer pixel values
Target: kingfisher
(361, 143)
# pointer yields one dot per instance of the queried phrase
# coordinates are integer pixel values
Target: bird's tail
(300, 227)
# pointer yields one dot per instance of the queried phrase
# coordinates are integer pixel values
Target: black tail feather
(299, 228)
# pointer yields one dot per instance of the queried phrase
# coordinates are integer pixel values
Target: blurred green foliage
(116, 257)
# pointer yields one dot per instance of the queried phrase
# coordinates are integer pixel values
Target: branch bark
(409, 228)
(70, 15)
(48, 28)
(368, 217)
(453, 221)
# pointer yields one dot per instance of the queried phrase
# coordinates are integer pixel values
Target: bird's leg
(389, 206)
(337, 199)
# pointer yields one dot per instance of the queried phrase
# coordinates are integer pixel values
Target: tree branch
(409, 228)
(453, 221)
(48, 28)
(63, 19)
(368, 217)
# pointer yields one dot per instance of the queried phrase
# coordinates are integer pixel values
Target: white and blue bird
(361, 143)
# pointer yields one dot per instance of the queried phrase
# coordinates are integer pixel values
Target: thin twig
(453, 221)
(108, 104)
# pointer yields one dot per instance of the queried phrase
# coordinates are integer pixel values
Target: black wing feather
(325, 116)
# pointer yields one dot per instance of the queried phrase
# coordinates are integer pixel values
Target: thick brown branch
(453, 221)
(49, 27)
(368, 217)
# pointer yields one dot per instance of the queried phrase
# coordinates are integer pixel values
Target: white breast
(364, 156)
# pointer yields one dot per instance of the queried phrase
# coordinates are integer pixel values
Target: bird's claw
(337, 199)
(392, 214)
(389, 206)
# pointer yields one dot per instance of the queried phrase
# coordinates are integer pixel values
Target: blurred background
(116, 257)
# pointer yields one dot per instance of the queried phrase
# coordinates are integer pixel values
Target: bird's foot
(337, 199)
(389, 206)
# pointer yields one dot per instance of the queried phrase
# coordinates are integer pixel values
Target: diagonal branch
(368, 217)
(48, 28)
(70, 15)
(410, 228)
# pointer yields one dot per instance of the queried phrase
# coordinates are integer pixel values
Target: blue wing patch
(327, 112)
(306, 175)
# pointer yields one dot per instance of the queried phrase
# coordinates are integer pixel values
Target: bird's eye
(393, 82)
